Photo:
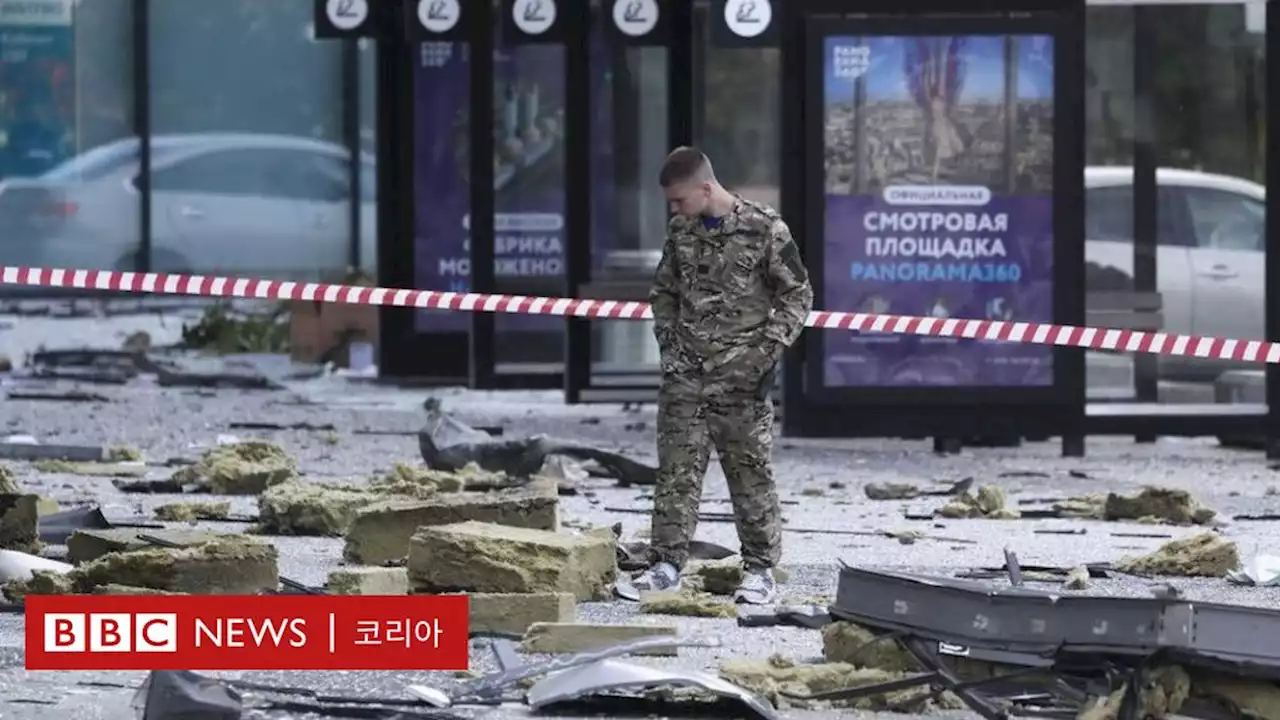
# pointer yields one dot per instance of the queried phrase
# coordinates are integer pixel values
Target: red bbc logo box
(110, 632)
(257, 632)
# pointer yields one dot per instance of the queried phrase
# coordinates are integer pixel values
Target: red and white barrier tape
(1254, 351)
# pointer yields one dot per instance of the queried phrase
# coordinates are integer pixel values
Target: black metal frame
(815, 410)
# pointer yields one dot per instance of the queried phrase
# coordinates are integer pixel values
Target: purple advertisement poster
(938, 155)
(529, 101)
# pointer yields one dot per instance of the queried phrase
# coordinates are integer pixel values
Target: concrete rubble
(8, 481)
(1203, 555)
(554, 638)
(989, 502)
(86, 545)
(368, 581)
(486, 557)
(228, 565)
(243, 468)
(1150, 505)
(192, 511)
(687, 603)
(19, 522)
(380, 532)
(514, 613)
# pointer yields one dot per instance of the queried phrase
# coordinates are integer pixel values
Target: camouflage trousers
(740, 427)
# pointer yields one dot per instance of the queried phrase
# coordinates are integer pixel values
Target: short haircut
(683, 164)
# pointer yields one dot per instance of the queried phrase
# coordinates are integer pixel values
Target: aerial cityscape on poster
(938, 155)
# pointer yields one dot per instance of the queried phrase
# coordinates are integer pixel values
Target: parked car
(1210, 263)
(233, 203)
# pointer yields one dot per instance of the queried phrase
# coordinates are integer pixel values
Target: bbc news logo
(110, 632)
(273, 632)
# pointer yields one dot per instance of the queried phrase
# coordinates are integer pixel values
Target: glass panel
(368, 80)
(225, 123)
(636, 92)
(1209, 106)
(939, 202)
(1109, 137)
(529, 142)
(442, 148)
(741, 131)
(66, 143)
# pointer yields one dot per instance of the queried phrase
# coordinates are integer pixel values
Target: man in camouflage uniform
(730, 295)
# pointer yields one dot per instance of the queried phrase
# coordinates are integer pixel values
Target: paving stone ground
(375, 428)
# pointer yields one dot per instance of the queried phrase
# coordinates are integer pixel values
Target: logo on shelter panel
(439, 16)
(748, 18)
(533, 17)
(635, 17)
(347, 14)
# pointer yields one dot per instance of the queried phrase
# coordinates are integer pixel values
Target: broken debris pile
(211, 565)
(245, 468)
(988, 502)
(1202, 555)
(447, 443)
(1152, 505)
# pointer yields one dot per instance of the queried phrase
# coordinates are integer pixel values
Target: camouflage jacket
(721, 295)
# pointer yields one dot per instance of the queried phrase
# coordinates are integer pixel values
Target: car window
(222, 172)
(1225, 220)
(314, 176)
(1108, 215)
(285, 174)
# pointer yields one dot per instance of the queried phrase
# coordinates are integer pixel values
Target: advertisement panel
(529, 100)
(37, 86)
(938, 155)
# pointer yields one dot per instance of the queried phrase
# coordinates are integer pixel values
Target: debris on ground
(20, 523)
(1151, 505)
(988, 503)
(514, 613)
(780, 680)
(89, 544)
(8, 481)
(123, 454)
(852, 644)
(192, 511)
(447, 443)
(891, 491)
(722, 576)
(227, 565)
(224, 330)
(232, 565)
(1203, 555)
(1169, 505)
(1164, 690)
(1243, 697)
(572, 638)
(380, 532)
(243, 468)
(90, 469)
(368, 581)
(687, 604)
(487, 557)
(1077, 579)
(406, 479)
(296, 507)
(15, 565)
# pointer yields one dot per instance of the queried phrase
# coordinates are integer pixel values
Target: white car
(1210, 264)
(228, 203)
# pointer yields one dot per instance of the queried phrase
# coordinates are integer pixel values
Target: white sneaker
(663, 577)
(758, 588)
